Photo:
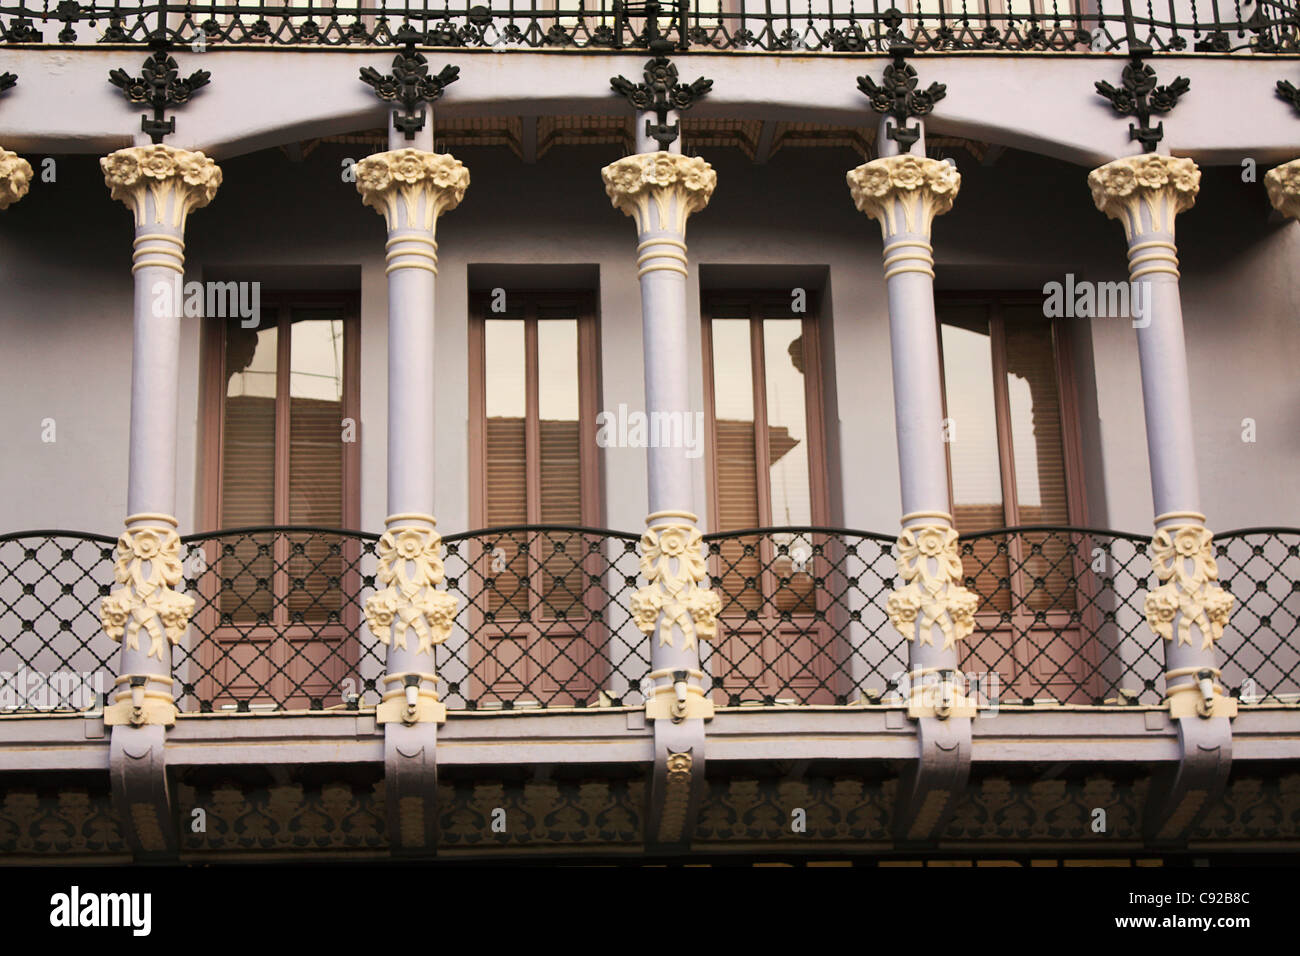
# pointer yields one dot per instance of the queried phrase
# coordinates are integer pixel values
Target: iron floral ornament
(929, 563)
(661, 93)
(410, 565)
(410, 85)
(148, 567)
(898, 96)
(671, 561)
(159, 86)
(1140, 97)
(1183, 560)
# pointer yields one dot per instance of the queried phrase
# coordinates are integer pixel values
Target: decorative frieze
(411, 188)
(410, 568)
(672, 185)
(933, 594)
(161, 184)
(15, 178)
(1282, 183)
(1182, 557)
(904, 193)
(1145, 193)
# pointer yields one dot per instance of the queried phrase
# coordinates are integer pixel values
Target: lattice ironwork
(855, 26)
(544, 619)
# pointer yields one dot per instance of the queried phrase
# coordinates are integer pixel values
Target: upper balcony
(749, 26)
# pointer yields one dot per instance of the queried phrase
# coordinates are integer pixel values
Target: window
(533, 392)
(763, 389)
(281, 407)
(1013, 461)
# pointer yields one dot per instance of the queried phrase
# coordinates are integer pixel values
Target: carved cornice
(15, 178)
(1282, 183)
(411, 188)
(930, 566)
(673, 564)
(1183, 561)
(148, 568)
(674, 186)
(161, 184)
(904, 193)
(1145, 192)
(410, 568)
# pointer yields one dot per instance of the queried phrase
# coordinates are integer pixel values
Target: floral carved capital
(932, 594)
(672, 185)
(1160, 186)
(1183, 561)
(1282, 183)
(410, 568)
(148, 566)
(15, 178)
(160, 183)
(904, 193)
(673, 565)
(411, 188)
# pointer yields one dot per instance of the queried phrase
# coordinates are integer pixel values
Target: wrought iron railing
(544, 619)
(854, 26)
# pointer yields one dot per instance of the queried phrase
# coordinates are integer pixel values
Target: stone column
(15, 178)
(160, 184)
(932, 609)
(411, 188)
(1282, 183)
(660, 190)
(1188, 610)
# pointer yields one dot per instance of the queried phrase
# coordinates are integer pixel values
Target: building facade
(836, 451)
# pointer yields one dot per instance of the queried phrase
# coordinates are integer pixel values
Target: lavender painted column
(161, 185)
(1188, 610)
(904, 193)
(660, 190)
(411, 188)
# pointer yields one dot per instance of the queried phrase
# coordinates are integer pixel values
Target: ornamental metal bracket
(898, 96)
(410, 83)
(1285, 89)
(661, 93)
(1140, 97)
(7, 80)
(160, 86)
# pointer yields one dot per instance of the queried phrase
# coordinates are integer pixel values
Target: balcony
(839, 26)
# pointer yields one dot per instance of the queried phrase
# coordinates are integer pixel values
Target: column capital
(674, 186)
(1145, 192)
(15, 177)
(161, 184)
(1282, 183)
(411, 188)
(904, 193)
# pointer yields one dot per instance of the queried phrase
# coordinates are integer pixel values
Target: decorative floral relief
(633, 181)
(1167, 185)
(410, 565)
(1282, 183)
(671, 561)
(1183, 561)
(161, 170)
(147, 600)
(15, 178)
(923, 187)
(928, 561)
(411, 175)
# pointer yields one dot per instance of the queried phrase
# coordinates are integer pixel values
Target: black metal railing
(545, 619)
(853, 26)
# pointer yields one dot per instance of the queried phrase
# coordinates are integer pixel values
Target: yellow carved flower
(942, 179)
(409, 544)
(672, 542)
(661, 170)
(908, 174)
(121, 168)
(1160, 607)
(381, 608)
(1218, 607)
(1189, 541)
(699, 175)
(1119, 180)
(962, 605)
(1151, 172)
(408, 166)
(871, 180)
(1186, 177)
(158, 163)
(931, 541)
(705, 606)
(646, 603)
(623, 176)
(114, 611)
(373, 175)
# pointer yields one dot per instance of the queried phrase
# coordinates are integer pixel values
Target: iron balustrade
(545, 620)
(849, 26)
